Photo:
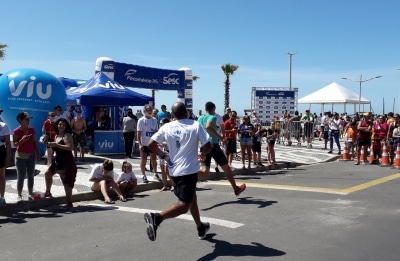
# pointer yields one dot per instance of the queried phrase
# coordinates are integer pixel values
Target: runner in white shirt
(146, 127)
(182, 137)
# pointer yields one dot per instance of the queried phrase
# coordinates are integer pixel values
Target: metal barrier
(289, 131)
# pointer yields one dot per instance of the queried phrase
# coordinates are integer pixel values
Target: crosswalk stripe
(214, 221)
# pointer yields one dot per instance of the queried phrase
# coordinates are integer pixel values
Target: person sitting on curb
(102, 176)
(127, 181)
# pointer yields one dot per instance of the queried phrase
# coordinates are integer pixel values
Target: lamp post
(290, 70)
(361, 81)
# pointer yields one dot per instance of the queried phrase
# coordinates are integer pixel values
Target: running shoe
(156, 177)
(19, 199)
(149, 218)
(145, 180)
(2, 202)
(240, 189)
(203, 229)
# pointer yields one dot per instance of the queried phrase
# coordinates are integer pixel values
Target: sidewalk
(286, 157)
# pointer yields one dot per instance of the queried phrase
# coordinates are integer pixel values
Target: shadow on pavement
(224, 248)
(245, 200)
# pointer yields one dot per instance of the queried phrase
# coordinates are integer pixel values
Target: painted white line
(214, 221)
(286, 187)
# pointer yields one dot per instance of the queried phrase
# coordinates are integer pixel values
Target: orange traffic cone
(371, 155)
(397, 159)
(345, 155)
(362, 156)
(385, 156)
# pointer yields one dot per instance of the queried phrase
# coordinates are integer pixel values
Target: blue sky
(331, 39)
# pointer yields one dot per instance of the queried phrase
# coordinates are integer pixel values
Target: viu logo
(30, 87)
(106, 144)
(169, 80)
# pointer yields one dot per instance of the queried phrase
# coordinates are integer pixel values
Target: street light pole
(290, 70)
(361, 81)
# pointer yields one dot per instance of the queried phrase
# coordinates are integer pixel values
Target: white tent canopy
(334, 94)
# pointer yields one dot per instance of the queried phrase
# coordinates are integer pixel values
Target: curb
(26, 206)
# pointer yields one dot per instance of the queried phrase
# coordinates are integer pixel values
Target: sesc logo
(170, 79)
(108, 67)
(30, 87)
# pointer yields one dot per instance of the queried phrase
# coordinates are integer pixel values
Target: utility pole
(290, 69)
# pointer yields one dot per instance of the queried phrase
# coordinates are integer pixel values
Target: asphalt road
(330, 211)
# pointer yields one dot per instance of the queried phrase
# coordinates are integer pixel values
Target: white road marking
(214, 221)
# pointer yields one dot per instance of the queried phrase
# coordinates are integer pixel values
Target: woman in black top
(63, 163)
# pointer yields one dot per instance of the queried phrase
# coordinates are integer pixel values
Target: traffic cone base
(371, 155)
(345, 155)
(385, 156)
(396, 164)
(362, 155)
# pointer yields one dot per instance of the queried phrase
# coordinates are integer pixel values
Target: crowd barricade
(289, 132)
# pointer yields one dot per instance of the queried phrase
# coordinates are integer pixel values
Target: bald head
(179, 110)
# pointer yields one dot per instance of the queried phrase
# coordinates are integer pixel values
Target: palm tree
(228, 69)
(2, 51)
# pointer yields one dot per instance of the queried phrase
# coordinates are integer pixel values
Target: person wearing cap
(26, 154)
(129, 125)
(5, 158)
(78, 125)
(308, 120)
(227, 114)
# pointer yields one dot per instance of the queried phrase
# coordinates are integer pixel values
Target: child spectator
(127, 181)
(376, 148)
(351, 136)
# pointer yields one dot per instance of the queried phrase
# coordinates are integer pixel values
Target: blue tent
(101, 90)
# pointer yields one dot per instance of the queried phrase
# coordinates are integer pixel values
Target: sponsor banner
(189, 103)
(108, 142)
(108, 66)
(149, 78)
(181, 94)
(272, 103)
(188, 93)
(188, 84)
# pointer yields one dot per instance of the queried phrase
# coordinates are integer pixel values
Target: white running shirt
(148, 127)
(183, 137)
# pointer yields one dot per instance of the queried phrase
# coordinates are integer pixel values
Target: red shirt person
(230, 133)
